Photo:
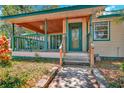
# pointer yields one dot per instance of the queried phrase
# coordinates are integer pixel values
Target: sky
(115, 7)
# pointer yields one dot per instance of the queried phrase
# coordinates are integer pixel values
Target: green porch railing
(37, 43)
(28, 44)
(55, 41)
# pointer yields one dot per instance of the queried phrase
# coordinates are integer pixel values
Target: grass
(112, 72)
(25, 73)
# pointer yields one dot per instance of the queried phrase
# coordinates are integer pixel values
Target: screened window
(101, 30)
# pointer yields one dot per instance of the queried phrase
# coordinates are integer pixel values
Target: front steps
(76, 58)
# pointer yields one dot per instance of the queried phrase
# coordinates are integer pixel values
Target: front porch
(58, 31)
(72, 33)
(72, 36)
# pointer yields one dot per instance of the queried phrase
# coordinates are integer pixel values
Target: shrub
(122, 66)
(5, 52)
(10, 81)
(114, 85)
(37, 57)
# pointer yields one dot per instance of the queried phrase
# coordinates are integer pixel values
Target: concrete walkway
(74, 77)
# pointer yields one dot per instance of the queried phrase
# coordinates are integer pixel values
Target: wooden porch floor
(33, 54)
(48, 54)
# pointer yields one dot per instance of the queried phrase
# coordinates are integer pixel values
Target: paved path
(74, 77)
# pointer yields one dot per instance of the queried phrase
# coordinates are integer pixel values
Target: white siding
(114, 47)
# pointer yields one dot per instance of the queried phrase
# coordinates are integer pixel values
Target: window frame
(107, 39)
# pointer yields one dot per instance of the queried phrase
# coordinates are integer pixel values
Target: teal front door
(75, 37)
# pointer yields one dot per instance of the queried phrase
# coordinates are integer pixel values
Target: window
(101, 30)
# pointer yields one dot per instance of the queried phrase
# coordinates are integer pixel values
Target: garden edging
(100, 78)
(45, 83)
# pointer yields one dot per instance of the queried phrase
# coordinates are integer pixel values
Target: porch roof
(34, 20)
(111, 15)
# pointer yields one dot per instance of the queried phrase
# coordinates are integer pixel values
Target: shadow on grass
(36, 59)
(114, 65)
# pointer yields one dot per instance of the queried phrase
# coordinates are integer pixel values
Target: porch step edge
(75, 61)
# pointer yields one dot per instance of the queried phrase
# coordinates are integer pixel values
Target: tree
(8, 10)
(120, 19)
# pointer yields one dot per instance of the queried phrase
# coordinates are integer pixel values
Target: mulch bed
(112, 72)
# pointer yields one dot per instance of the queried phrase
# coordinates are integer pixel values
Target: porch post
(12, 39)
(46, 36)
(64, 36)
(91, 31)
(91, 44)
(67, 37)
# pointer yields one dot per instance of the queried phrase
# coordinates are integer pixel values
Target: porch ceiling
(34, 20)
(54, 26)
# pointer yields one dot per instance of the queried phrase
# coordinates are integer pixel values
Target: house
(79, 31)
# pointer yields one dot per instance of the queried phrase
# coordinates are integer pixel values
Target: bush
(5, 52)
(5, 63)
(122, 66)
(114, 85)
(9, 81)
(37, 57)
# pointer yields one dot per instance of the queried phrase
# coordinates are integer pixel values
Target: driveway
(74, 77)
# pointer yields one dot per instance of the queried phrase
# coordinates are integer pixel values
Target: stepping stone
(75, 77)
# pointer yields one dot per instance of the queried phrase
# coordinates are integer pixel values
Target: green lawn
(24, 73)
(112, 72)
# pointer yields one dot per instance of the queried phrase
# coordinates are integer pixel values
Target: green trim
(13, 32)
(46, 43)
(31, 34)
(77, 7)
(110, 15)
(87, 36)
(103, 39)
(79, 24)
(67, 35)
(46, 36)
(91, 30)
(109, 31)
(56, 34)
(32, 58)
(105, 58)
(55, 41)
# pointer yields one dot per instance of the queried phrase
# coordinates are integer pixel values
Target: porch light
(41, 27)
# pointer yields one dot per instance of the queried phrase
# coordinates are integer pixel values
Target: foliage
(37, 57)
(8, 10)
(112, 72)
(120, 19)
(114, 85)
(47, 7)
(122, 66)
(24, 74)
(10, 81)
(5, 52)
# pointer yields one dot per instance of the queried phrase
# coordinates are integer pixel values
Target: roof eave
(50, 11)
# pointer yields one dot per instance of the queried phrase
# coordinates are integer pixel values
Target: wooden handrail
(91, 54)
(61, 54)
(62, 50)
